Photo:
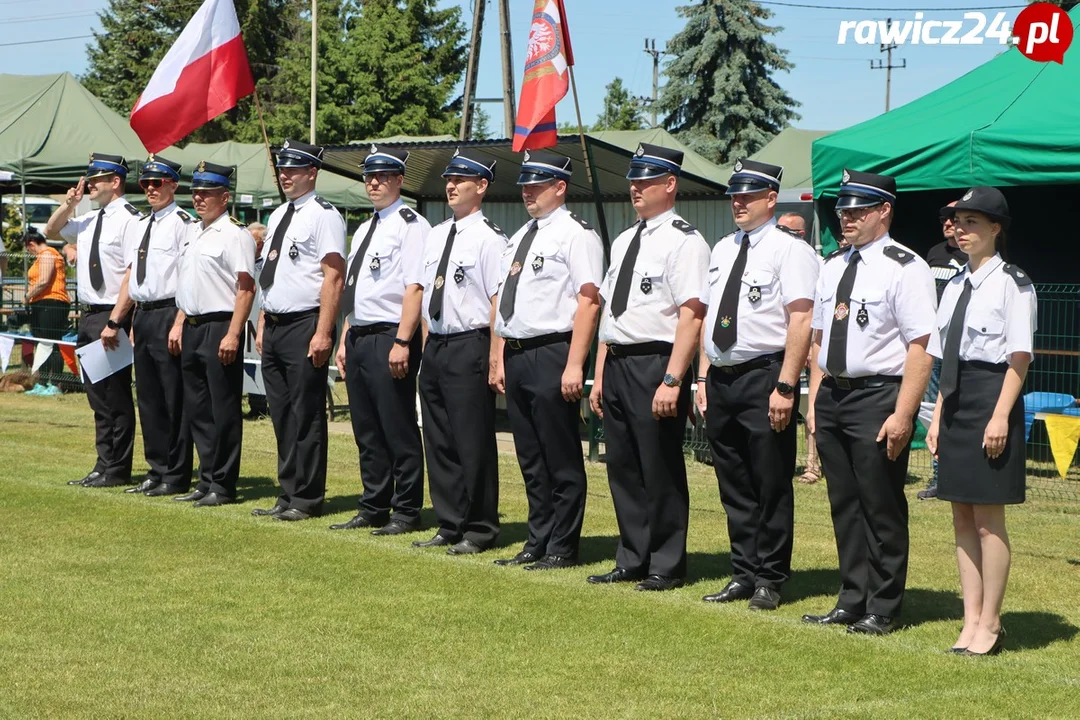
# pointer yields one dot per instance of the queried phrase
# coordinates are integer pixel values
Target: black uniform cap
(542, 166)
(752, 176)
(298, 154)
(210, 176)
(987, 200)
(101, 164)
(653, 161)
(863, 189)
(158, 167)
(470, 164)
(385, 159)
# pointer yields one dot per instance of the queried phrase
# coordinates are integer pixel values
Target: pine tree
(622, 111)
(720, 97)
(481, 123)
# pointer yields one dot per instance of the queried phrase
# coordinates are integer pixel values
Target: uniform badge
(272, 256)
(374, 149)
(862, 317)
(646, 285)
(725, 322)
(515, 268)
(754, 295)
(841, 311)
(967, 195)
(459, 275)
(538, 263)
(640, 151)
(738, 166)
(439, 282)
(142, 253)
(846, 177)
(293, 252)
(352, 280)
(375, 264)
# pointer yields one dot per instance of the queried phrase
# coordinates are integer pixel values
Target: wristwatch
(784, 388)
(112, 324)
(401, 341)
(672, 381)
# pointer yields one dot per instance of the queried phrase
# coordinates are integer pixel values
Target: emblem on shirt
(841, 311)
(646, 285)
(375, 264)
(272, 256)
(862, 317)
(754, 295)
(293, 252)
(459, 275)
(439, 282)
(515, 268)
(725, 322)
(538, 263)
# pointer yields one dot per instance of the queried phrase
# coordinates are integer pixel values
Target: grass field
(116, 605)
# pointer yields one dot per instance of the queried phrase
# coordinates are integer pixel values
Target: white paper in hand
(99, 363)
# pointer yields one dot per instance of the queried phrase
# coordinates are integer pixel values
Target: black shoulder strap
(498, 230)
(236, 222)
(184, 216)
(325, 203)
(835, 253)
(581, 221)
(407, 214)
(131, 209)
(1022, 278)
(898, 254)
(680, 224)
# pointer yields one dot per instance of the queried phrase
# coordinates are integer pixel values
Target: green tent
(1009, 122)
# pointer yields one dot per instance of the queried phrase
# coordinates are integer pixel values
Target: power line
(46, 40)
(881, 9)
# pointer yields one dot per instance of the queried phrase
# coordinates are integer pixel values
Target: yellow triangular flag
(1064, 434)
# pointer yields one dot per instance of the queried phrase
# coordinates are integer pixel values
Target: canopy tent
(791, 150)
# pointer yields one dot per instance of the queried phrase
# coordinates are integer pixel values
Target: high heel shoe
(995, 649)
(956, 650)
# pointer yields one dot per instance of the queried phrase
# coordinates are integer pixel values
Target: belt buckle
(842, 383)
(514, 344)
(614, 350)
(726, 369)
(274, 317)
(192, 321)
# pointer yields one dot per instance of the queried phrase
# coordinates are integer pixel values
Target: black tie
(626, 274)
(950, 358)
(97, 277)
(435, 307)
(726, 329)
(144, 248)
(509, 290)
(836, 360)
(266, 279)
(349, 299)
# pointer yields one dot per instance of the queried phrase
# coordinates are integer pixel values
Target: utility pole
(888, 67)
(650, 48)
(507, 67)
(314, 62)
(471, 69)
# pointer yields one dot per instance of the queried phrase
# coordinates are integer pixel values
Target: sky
(834, 83)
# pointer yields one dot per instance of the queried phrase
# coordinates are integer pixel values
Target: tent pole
(25, 220)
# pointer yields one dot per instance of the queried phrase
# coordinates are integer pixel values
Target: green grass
(115, 605)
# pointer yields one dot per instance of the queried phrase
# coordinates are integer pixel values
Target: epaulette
(498, 230)
(325, 203)
(184, 216)
(899, 254)
(236, 222)
(789, 231)
(1022, 278)
(835, 253)
(131, 209)
(407, 214)
(581, 221)
(686, 227)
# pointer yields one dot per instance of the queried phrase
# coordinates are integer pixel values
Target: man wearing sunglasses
(99, 239)
(379, 355)
(154, 245)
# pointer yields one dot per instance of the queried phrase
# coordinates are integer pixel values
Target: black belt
(208, 318)
(478, 332)
(646, 348)
(757, 363)
(87, 308)
(859, 383)
(286, 318)
(365, 330)
(538, 341)
(156, 304)
(984, 365)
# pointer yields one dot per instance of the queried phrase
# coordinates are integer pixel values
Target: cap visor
(646, 173)
(529, 178)
(742, 188)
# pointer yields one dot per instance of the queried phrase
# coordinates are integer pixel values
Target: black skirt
(966, 474)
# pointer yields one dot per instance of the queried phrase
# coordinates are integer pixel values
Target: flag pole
(266, 143)
(601, 219)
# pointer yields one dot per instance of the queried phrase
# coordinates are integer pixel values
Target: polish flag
(204, 73)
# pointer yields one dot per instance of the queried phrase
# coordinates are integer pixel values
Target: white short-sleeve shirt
(472, 273)
(168, 235)
(565, 256)
(112, 246)
(210, 270)
(671, 270)
(315, 231)
(393, 261)
(1001, 316)
(780, 269)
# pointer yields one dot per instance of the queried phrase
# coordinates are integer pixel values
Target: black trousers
(866, 491)
(296, 394)
(459, 437)
(645, 465)
(754, 467)
(49, 319)
(159, 383)
(547, 438)
(383, 414)
(212, 397)
(110, 399)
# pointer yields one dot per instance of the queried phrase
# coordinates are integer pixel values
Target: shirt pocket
(870, 304)
(648, 282)
(760, 287)
(211, 256)
(163, 243)
(545, 259)
(382, 258)
(462, 269)
(983, 328)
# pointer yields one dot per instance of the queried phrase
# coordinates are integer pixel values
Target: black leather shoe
(465, 547)
(214, 500)
(765, 598)
(145, 486)
(732, 591)
(104, 481)
(268, 512)
(618, 575)
(163, 489)
(293, 515)
(395, 527)
(553, 562)
(358, 521)
(836, 616)
(89, 477)
(192, 496)
(522, 558)
(436, 541)
(873, 625)
(659, 582)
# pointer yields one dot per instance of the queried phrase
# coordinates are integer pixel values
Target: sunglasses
(152, 183)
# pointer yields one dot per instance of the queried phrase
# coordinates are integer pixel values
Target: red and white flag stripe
(204, 73)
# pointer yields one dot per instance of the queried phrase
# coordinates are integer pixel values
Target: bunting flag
(41, 353)
(7, 344)
(547, 77)
(1064, 434)
(68, 353)
(204, 74)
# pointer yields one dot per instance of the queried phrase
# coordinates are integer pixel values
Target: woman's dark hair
(33, 236)
(1000, 242)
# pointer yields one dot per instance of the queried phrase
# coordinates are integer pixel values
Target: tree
(622, 111)
(720, 97)
(481, 123)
